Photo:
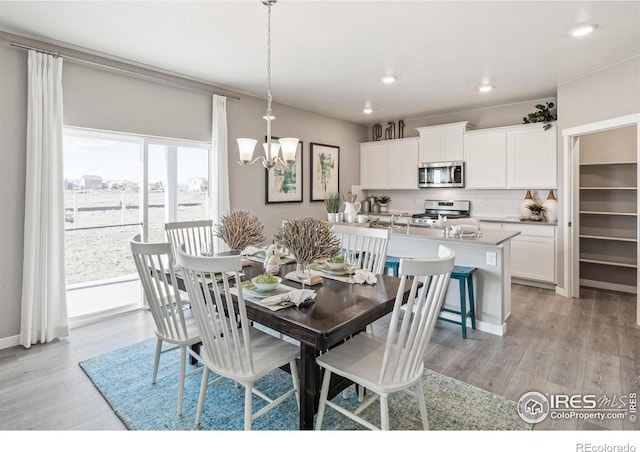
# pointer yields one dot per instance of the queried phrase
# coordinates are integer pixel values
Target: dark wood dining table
(339, 311)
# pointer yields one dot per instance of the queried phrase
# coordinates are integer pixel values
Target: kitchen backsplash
(484, 203)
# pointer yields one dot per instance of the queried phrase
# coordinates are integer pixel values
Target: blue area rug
(124, 379)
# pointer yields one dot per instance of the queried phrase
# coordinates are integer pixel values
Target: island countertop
(488, 237)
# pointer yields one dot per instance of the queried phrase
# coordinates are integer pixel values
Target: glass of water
(303, 273)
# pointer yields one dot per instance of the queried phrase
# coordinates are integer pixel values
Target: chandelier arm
(284, 162)
(247, 163)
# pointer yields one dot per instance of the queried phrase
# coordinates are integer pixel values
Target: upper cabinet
(442, 143)
(390, 164)
(511, 157)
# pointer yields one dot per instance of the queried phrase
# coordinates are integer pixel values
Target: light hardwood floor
(553, 345)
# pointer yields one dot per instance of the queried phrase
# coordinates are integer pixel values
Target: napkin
(364, 276)
(250, 251)
(297, 297)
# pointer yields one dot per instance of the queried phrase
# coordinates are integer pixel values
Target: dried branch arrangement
(239, 229)
(308, 239)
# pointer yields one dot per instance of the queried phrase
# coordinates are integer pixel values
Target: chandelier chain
(269, 98)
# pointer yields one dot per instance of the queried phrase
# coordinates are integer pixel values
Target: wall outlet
(491, 258)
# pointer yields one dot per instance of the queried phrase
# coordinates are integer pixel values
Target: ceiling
(329, 56)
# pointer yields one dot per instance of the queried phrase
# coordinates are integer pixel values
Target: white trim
(608, 286)
(480, 325)
(94, 317)
(601, 126)
(571, 282)
(126, 136)
(10, 341)
(563, 292)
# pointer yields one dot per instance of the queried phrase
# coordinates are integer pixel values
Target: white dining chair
(154, 262)
(196, 235)
(233, 350)
(368, 244)
(395, 364)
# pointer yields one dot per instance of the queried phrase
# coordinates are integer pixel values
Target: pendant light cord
(269, 98)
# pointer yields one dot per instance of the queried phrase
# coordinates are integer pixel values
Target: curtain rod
(125, 71)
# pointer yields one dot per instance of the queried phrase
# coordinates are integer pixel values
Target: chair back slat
(369, 245)
(224, 326)
(409, 334)
(154, 263)
(193, 234)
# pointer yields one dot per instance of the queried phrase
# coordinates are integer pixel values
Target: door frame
(571, 138)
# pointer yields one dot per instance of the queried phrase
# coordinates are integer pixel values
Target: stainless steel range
(434, 208)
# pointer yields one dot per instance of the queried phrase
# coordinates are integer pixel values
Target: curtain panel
(219, 186)
(44, 307)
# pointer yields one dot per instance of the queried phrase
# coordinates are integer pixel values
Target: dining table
(339, 310)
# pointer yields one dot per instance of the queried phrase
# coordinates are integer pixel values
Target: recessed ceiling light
(582, 30)
(388, 78)
(367, 111)
(485, 88)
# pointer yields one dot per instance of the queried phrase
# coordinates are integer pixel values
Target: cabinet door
(402, 164)
(486, 160)
(531, 158)
(533, 258)
(373, 165)
(430, 146)
(452, 144)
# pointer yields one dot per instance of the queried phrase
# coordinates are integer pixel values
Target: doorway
(602, 230)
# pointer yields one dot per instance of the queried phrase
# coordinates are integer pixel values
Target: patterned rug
(123, 377)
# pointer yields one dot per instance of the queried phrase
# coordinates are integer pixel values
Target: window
(116, 186)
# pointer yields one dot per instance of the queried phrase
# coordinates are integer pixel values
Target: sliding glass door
(116, 186)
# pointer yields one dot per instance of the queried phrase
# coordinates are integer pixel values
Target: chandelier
(289, 146)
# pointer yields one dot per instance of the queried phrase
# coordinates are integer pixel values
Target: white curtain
(44, 304)
(219, 185)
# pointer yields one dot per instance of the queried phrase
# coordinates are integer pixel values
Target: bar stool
(463, 274)
(392, 263)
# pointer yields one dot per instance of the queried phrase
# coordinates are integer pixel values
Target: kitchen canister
(366, 206)
(524, 205)
(551, 207)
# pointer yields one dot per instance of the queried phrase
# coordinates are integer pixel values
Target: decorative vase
(332, 217)
(351, 209)
(524, 205)
(551, 207)
(384, 208)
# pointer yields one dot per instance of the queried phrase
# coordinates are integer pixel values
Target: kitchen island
(490, 254)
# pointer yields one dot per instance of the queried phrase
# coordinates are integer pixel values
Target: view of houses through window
(105, 207)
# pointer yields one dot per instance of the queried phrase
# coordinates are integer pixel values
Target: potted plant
(332, 203)
(383, 202)
(544, 114)
(537, 212)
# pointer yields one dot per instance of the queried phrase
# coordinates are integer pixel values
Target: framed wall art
(325, 170)
(284, 183)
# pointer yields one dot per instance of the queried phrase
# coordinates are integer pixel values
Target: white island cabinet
(490, 254)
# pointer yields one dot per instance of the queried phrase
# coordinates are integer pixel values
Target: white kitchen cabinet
(442, 143)
(390, 164)
(373, 165)
(486, 159)
(511, 157)
(531, 157)
(533, 252)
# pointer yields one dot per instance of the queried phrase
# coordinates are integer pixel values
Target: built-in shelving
(608, 237)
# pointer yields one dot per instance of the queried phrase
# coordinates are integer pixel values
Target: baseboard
(498, 330)
(8, 342)
(608, 286)
(562, 292)
(529, 282)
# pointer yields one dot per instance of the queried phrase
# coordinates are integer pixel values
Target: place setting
(267, 290)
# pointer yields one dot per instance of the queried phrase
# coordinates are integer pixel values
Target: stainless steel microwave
(441, 174)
